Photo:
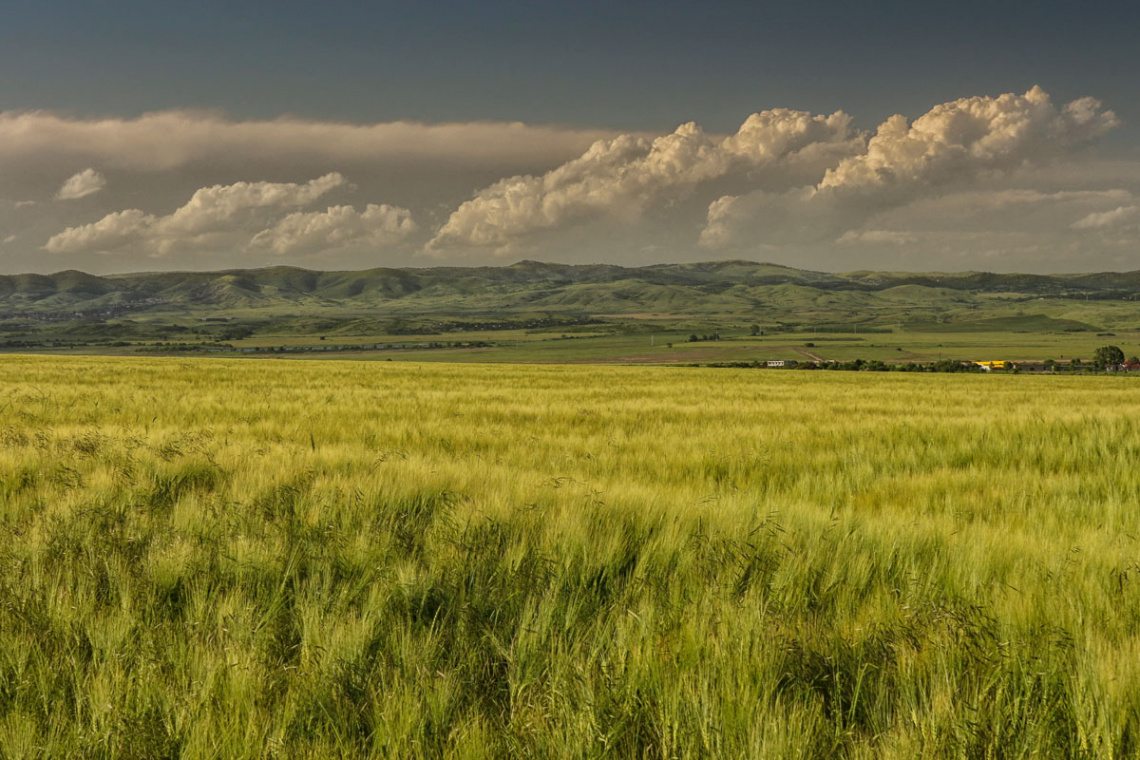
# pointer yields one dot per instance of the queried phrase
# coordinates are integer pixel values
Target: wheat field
(282, 559)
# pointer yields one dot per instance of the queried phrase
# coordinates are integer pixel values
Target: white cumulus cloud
(210, 214)
(1117, 217)
(962, 138)
(623, 176)
(211, 207)
(110, 233)
(86, 182)
(878, 237)
(338, 227)
(953, 143)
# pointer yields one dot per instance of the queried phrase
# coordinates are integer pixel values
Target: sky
(829, 135)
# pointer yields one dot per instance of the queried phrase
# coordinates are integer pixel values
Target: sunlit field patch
(220, 558)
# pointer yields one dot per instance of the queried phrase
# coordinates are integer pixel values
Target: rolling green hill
(723, 287)
(281, 305)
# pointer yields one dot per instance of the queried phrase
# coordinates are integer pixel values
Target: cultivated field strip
(280, 559)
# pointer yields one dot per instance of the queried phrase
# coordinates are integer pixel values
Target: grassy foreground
(223, 559)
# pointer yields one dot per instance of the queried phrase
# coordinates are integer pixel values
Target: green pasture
(638, 343)
(737, 345)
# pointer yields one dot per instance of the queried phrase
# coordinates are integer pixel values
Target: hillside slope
(727, 287)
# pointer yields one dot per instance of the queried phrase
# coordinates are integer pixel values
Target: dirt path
(809, 354)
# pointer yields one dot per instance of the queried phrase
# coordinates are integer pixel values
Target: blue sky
(589, 70)
(633, 65)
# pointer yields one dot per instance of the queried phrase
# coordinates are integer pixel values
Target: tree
(754, 330)
(1108, 356)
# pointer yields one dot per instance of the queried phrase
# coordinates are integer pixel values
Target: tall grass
(288, 559)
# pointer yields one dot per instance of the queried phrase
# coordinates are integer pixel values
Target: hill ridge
(695, 287)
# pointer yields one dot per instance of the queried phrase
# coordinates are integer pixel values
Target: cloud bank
(850, 175)
(979, 178)
(168, 140)
(623, 176)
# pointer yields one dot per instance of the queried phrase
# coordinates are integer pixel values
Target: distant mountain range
(720, 287)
